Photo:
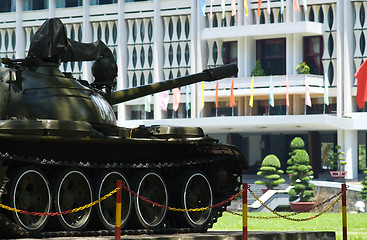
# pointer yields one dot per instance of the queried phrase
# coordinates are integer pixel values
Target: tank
(60, 149)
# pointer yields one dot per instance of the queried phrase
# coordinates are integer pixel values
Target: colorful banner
(202, 95)
(176, 99)
(271, 92)
(232, 101)
(251, 102)
(307, 94)
(246, 7)
(233, 5)
(361, 76)
(287, 91)
(202, 7)
(187, 97)
(281, 6)
(216, 94)
(258, 8)
(326, 90)
(223, 5)
(148, 100)
(296, 5)
(164, 100)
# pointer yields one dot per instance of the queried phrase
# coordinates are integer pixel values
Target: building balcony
(261, 22)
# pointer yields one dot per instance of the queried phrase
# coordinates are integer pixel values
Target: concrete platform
(222, 235)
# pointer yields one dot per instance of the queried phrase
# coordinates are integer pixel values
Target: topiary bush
(363, 193)
(336, 159)
(258, 71)
(270, 170)
(303, 68)
(301, 171)
(297, 143)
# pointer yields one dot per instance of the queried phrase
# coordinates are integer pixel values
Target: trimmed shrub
(269, 170)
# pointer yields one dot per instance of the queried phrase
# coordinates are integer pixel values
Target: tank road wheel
(196, 193)
(106, 209)
(73, 191)
(151, 186)
(30, 192)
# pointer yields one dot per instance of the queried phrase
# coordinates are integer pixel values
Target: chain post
(118, 210)
(244, 210)
(344, 211)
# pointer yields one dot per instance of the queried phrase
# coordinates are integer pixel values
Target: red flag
(176, 99)
(232, 101)
(258, 8)
(361, 76)
(216, 95)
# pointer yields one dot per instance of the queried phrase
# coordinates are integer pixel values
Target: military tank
(60, 148)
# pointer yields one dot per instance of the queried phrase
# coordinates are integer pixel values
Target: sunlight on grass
(357, 224)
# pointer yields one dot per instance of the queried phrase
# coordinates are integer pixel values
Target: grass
(357, 224)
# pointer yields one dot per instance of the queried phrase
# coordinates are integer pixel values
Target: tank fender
(240, 156)
(3, 178)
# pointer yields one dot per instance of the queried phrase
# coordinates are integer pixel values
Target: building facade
(154, 40)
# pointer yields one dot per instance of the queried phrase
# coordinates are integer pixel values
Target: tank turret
(35, 88)
(60, 149)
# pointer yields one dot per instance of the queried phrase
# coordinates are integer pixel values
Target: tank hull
(176, 164)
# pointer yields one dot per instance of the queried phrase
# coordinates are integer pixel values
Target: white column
(288, 11)
(297, 53)
(19, 31)
(241, 53)
(348, 70)
(121, 58)
(339, 57)
(351, 153)
(193, 60)
(158, 55)
(289, 55)
(249, 52)
(240, 12)
(51, 8)
(87, 38)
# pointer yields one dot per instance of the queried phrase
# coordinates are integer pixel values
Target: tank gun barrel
(210, 74)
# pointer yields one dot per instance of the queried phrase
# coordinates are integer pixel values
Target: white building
(160, 39)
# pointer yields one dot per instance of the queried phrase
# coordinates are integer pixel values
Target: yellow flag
(251, 103)
(202, 94)
(246, 7)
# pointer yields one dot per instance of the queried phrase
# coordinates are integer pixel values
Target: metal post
(244, 210)
(344, 211)
(118, 210)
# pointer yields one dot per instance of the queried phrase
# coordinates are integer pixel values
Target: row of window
(28, 5)
(272, 54)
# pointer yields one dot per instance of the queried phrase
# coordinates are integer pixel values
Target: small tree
(303, 68)
(336, 159)
(297, 143)
(301, 171)
(270, 170)
(363, 193)
(258, 71)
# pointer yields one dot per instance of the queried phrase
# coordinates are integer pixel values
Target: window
(7, 6)
(68, 3)
(101, 2)
(312, 53)
(29, 5)
(229, 52)
(271, 53)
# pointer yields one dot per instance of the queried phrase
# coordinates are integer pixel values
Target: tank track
(15, 231)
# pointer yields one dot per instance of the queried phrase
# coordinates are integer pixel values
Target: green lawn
(357, 224)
